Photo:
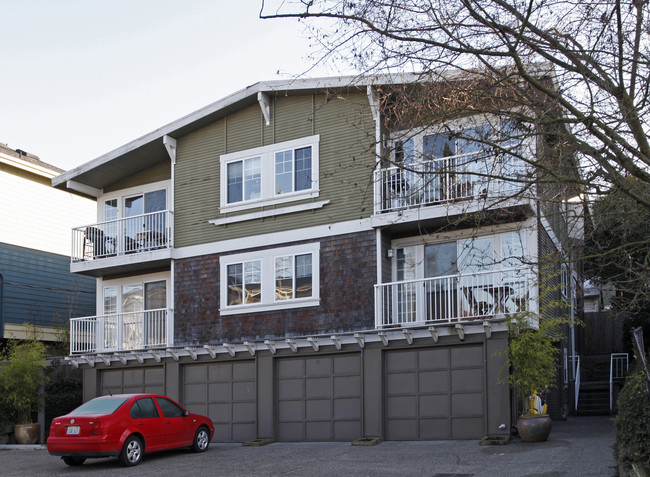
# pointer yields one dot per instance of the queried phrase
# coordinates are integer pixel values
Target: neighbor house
(298, 264)
(38, 292)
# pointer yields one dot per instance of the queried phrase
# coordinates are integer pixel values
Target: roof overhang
(149, 149)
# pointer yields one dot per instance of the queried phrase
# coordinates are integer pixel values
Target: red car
(127, 426)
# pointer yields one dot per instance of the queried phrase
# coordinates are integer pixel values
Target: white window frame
(417, 135)
(123, 194)
(497, 246)
(267, 187)
(267, 258)
(120, 283)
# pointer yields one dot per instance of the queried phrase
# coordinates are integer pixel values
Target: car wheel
(201, 440)
(131, 452)
(73, 461)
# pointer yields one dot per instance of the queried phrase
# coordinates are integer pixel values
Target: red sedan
(127, 426)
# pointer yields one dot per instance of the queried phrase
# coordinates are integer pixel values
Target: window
(143, 409)
(134, 220)
(135, 311)
(277, 278)
(244, 283)
(293, 277)
(275, 173)
(170, 408)
(460, 164)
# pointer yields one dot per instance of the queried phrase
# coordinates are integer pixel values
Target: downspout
(376, 115)
(170, 145)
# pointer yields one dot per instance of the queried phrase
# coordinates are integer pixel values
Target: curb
(24, 447)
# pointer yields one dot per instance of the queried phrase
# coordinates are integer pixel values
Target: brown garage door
(137, 380)
(436, 393)
(319, 398)
(226, 392)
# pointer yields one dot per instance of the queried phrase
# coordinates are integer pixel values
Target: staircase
(594, 385)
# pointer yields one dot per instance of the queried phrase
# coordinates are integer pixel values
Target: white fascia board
(27, 166)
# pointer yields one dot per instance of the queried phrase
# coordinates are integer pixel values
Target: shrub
(61, 397)
(633, 419)
(21, 378)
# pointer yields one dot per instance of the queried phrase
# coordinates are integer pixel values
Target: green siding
(197, 183)
(346, 157)
(244, 129)
(157, 173)
(293, 118)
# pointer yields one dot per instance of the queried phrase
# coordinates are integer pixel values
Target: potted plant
(532, 362)
(21, 379)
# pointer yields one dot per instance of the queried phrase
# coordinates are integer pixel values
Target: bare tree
(584, 65)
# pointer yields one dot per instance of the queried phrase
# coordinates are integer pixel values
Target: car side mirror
(186, 413)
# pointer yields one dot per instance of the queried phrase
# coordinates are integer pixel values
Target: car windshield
(100, 406)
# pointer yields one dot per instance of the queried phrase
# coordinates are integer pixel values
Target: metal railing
(576, 364)
(618, 366)
(122, 331)
(453, 298)
(129, 235)
(434, 181)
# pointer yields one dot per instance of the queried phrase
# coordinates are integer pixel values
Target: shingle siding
(347, 276)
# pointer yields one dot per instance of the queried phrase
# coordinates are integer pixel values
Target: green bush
(633, 420)
(21, 378)
(61, 397)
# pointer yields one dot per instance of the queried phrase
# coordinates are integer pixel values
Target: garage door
(226, 392)
(138, 380)
(319, 398)
(436, 393)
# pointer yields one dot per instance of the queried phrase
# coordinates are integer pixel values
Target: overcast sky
(80, 78)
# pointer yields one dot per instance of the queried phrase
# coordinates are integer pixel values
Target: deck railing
(455, 178)
(618, 367)
(453, 298)
(129, 235)
(131, 331)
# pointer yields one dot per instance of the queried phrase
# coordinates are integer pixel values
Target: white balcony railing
(122, 331)
(453, 298)
(455, 178)
(130, 235)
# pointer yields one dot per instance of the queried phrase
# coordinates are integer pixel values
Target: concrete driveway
(580, 446)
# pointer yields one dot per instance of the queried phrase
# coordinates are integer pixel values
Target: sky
(81, 78)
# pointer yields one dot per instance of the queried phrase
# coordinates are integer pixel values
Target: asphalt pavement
(580, 446)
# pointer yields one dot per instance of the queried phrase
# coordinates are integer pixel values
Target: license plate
(72, 430)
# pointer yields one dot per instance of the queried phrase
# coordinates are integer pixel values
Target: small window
(170, 408)
(244, 283)
(144, 409)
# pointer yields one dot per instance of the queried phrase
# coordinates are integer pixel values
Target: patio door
(441, 264)
(422, 300)
(135, 315)
(142, 226)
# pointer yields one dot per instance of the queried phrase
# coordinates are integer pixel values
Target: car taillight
(99, 429)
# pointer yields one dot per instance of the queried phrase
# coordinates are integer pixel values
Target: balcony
(119, 244)
(132, 331)
(465, 177)
(454, 298)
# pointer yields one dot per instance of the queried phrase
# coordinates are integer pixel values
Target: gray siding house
(279, 261)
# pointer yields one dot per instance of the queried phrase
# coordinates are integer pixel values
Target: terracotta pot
(534, 428)
(27, 433)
